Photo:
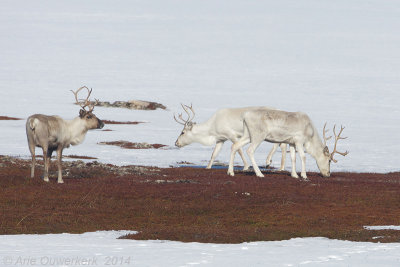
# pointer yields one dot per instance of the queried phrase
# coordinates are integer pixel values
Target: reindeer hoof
(46, 179)
(60, 182)
(231, 173)
(295, 176)
(260, 175)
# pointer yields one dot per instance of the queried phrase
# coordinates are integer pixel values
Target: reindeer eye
(89, 116)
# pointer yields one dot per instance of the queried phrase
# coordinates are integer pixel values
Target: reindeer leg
(245, 164)
(32, 150)
(271, 153)
(240, 150)
(300, 149)
(293, 157)
(283, 160)
(59, 157)
(235, 147)
(46, 164)
(215, 153)
(250, 151)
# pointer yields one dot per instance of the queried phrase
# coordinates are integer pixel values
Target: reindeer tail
(32, 123)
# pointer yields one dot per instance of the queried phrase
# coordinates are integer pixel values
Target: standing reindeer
(293, 128)
(53, 133)
(225, 124)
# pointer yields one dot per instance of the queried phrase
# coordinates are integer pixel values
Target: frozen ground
(103, 249)
(338, 61)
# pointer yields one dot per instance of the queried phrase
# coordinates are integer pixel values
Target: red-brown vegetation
(69, 157)
(5, 118)
(121, 122)
(78, 157)
(130, 145)
(189, 204)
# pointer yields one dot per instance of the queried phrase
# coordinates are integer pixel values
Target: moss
(209, 210)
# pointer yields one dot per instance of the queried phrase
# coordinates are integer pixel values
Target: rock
(132, 104)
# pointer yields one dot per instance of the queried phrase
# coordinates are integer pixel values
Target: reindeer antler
(190, 117)
(337, 138)
(324, 132)
(180, 117)
(93, 104)
(86, 102)
(186, 107)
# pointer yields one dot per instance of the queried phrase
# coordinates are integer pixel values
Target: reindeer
(225, 124)
(293, 128)
(53, 133)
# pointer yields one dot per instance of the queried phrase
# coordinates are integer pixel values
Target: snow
(384, 227)
(103, 248)
(338, 61)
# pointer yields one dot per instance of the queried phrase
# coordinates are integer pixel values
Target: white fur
(293, 128)
(225, 124)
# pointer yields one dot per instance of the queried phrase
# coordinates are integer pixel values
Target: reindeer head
(91, 121)
(185, 138)
(324, 161)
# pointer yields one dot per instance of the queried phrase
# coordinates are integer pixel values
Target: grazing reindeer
(53, 133)
(293, 128)
(225, 124)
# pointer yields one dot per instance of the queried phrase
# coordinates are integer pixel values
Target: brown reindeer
(53, 133)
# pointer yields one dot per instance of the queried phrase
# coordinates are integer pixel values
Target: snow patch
(383, 227)
(104, 247)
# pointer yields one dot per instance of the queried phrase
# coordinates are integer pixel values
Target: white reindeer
(293, 128)
(225, 124)
(52, 133)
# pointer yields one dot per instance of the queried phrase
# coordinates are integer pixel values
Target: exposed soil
(5, 118)
(130, 145)
(121, 122)
(190, 204)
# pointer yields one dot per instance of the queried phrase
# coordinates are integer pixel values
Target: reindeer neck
(203, 133)
(315, 147)
(77, 130)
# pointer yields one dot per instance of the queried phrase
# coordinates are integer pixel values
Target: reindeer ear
(189, 125)
(326, 151)
(82, 113)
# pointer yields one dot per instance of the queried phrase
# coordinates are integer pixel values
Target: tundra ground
(189, 204)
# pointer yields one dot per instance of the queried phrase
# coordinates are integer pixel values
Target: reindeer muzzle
(177, 144)
(100, 124)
